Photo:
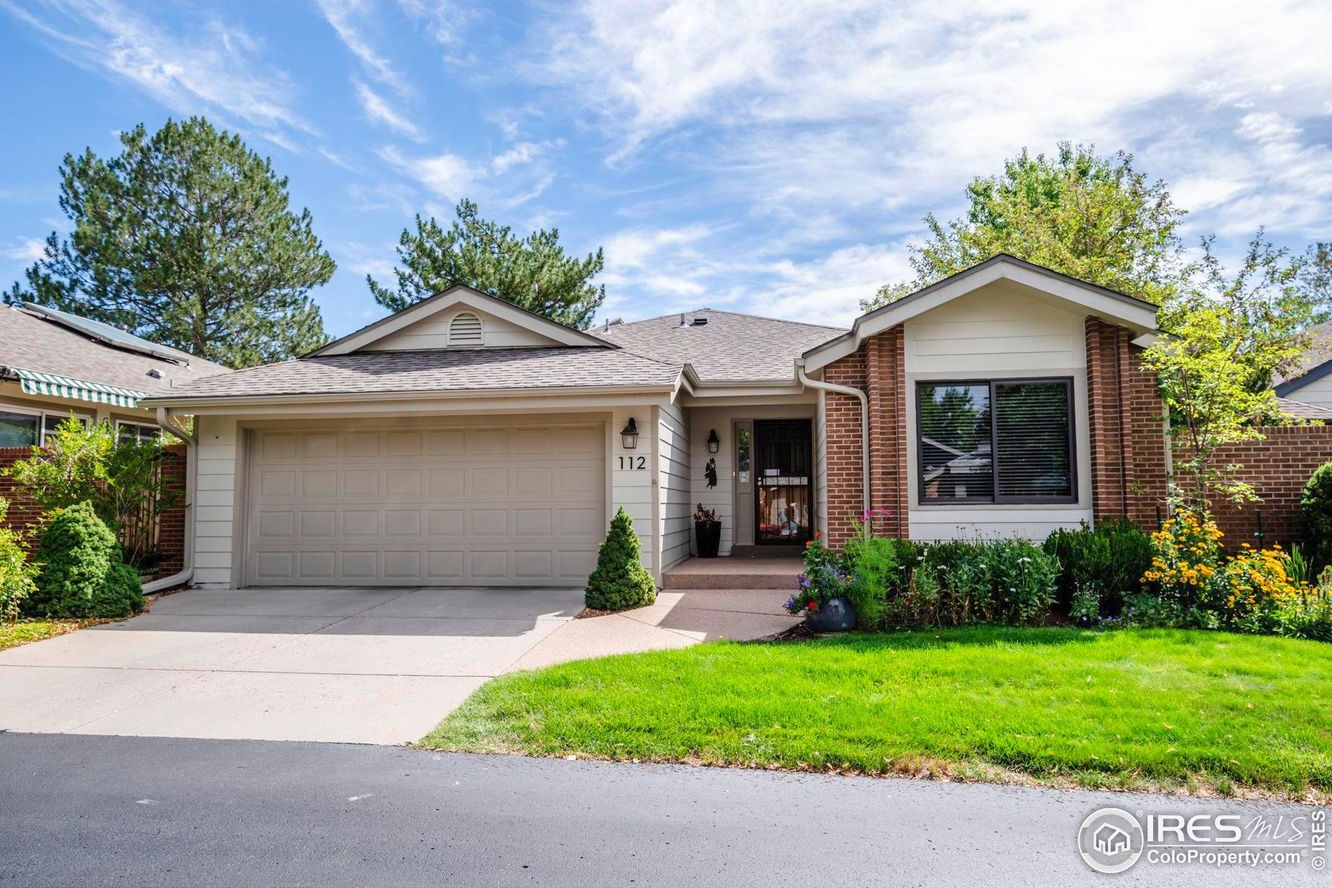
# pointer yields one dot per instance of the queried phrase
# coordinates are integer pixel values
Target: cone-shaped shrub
(81, 573)
(620, 580)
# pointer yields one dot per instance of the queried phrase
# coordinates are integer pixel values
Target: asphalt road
(85, 810)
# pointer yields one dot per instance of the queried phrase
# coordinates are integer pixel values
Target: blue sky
(769, 157)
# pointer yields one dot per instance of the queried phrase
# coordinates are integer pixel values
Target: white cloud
(881, 108)
(30, 249)
(448, 176)
(216, 68)
(343, 16)
(379, 111)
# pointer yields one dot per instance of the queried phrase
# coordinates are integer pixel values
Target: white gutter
(864, 422)
(191, 482)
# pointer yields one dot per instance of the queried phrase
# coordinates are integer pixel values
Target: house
(54, 365)
(466, 441)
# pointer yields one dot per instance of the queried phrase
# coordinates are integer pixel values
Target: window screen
(18, 429)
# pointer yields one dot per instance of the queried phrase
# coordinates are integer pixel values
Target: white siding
(215, 508)
(999, 331)
(433, 332)
(634, 487)
(1318, 393)
(676, 510)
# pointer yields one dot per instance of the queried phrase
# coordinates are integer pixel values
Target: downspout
(864, 423)
(186, 573)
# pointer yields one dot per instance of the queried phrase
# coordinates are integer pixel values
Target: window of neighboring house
(21, 428)
(133, 431)
(998, 441)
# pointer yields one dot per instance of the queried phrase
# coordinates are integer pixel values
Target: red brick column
(842, 443)
(886, 387)
(1127, 435)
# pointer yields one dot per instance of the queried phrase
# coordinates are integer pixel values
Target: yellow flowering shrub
(1201, 587)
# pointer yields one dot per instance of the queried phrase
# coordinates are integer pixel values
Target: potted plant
(707, 532)
(822, 593)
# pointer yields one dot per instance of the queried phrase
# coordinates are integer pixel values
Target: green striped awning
(35, 383)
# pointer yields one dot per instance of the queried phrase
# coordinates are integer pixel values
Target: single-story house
(54, 365)
(466, 441)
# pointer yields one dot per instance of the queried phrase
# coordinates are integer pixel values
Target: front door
(783, 481)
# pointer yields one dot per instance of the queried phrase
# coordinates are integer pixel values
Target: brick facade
(1127, 436)
(24, 515)
(1128, 444)
(879, 370)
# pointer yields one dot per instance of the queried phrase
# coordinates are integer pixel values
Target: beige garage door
(441, 504)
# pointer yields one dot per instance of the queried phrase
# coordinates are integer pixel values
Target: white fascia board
(1137, 317)
(456, 295)
(478, 400)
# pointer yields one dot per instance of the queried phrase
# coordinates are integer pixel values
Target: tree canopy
(186, 238)
(532, 272)
(1094, 218)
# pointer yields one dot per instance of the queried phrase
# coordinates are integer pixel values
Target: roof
(1137, 315)
(458, 294)
(1301, 410)
(441, 371)
(60, 344)
(730, 347)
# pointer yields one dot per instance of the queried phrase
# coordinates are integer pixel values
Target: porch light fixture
(629, 435)
(714, 443)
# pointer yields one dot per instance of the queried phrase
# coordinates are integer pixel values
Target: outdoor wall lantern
(714, 443)
(629, 435)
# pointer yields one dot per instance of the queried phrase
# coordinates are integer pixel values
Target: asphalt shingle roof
(456, 370)
(1301, 410)
(731, 347)
(33, 343)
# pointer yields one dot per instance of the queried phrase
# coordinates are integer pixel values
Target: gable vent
(465, 331)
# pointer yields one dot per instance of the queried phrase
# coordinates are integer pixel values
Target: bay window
(995, 441)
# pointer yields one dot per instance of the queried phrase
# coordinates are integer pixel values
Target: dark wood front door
(783, 481)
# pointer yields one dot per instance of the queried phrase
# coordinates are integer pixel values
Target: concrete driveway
(344, 665)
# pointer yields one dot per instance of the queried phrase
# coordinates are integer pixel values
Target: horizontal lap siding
(673, 482)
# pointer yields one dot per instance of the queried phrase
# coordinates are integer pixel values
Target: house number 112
(633, 462)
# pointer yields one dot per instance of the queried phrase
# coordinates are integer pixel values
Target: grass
(25, 631)
(1201, 712)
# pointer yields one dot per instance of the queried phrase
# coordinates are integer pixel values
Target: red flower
(810, 543)
(813, 606)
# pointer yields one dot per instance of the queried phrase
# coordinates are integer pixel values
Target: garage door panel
(453, 504)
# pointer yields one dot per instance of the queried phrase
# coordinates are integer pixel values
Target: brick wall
(842, 440)
(878, 369)
(1278, 468)
(25, 515)
(1126, 429)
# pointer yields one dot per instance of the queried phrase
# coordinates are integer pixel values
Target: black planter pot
(708, 536)
(836, 615)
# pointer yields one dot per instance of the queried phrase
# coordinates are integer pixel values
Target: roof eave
(186, 402)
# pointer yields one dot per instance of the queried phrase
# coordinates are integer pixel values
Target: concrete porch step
(777, 574)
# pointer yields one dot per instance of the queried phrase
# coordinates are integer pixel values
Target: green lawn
(24, 631)
(1176, 710)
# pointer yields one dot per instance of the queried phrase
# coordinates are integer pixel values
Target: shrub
(620, 581)
(16, 573)
(1099, 567)
(875, 574)
(824, 578)
(121, 479)
(1024, 580)
(1186, 555)
(80, 570)
(1316, 510)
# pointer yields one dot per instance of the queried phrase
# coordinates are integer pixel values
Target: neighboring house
(466, 441)
(54, 365)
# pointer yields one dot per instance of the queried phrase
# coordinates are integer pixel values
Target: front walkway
(345, 665)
